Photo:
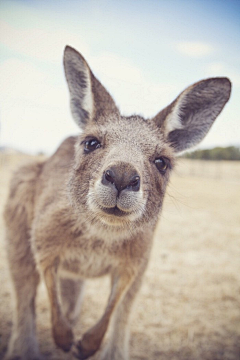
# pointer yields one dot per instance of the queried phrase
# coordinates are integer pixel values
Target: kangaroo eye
(162, 164)
(91, 145)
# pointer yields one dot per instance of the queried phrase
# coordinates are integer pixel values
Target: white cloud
(195, 49)
(21, 79)
(40, 43)
(130, 86)
(116, 67)
(32, 128)
(35, 114)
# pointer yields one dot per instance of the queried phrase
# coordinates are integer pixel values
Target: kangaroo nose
(122, 178)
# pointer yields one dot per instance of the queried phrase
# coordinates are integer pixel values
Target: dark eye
(161, 164)
(91, 145)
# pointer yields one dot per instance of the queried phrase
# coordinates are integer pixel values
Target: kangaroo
(92, 207)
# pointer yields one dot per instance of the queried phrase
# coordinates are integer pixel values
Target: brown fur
(83, 214)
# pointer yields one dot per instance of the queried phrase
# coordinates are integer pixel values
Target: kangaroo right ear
(88, 98)
(186, 121)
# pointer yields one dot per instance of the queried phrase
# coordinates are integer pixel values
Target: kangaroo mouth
(115, 211)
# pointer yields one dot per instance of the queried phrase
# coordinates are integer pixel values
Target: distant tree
(217, 153)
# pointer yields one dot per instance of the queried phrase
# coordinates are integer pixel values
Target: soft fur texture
(92, 207)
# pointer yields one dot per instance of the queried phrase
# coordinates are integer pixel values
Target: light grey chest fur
(93, 259)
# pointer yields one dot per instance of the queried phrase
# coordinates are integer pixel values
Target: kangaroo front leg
(92, 339)
(71, 298)
(118, 344)
(23, 343)
(61, 330)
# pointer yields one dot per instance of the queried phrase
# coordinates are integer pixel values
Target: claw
(63, 339)
(82, 353)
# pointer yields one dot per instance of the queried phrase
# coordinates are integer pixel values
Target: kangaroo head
(122, 164)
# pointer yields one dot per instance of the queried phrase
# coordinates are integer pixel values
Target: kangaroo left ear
(88, 98)
(187, 120)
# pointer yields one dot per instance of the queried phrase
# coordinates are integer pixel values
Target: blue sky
(145, 53)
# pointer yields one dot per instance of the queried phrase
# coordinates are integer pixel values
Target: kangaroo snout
(117, 192)
(121, 177)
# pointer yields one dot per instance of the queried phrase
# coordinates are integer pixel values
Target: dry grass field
(189, 305)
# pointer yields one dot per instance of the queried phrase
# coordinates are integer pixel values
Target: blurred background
(145, 52)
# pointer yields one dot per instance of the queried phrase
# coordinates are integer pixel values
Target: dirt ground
(189, 305)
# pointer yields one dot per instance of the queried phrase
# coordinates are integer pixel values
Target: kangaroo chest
(88, 260)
